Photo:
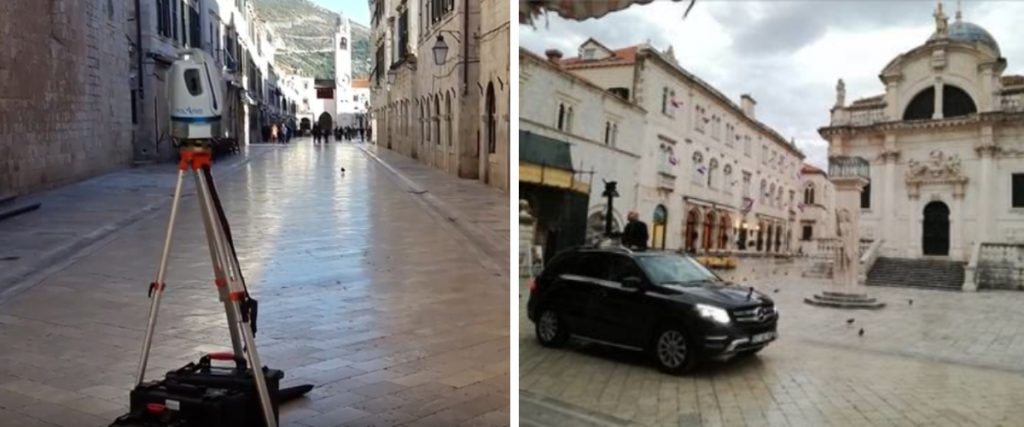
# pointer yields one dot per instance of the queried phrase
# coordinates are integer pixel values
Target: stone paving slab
(383, 307)
(950, 359)
(477, 210)
(74, 216)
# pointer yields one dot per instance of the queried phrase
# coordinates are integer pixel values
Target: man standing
(635, 233)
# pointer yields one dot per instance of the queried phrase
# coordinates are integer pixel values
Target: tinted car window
(674, 269)
(590, 265)
(621, 267)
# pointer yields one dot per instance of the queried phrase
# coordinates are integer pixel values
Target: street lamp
(440, 50)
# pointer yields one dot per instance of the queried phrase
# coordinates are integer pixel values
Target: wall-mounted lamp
(440, 50)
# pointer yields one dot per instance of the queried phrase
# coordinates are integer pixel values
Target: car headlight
(717, 314)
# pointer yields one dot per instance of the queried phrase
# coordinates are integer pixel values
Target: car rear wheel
(673, 351)
(550, 329)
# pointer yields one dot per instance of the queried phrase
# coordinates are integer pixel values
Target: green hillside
(304, 37)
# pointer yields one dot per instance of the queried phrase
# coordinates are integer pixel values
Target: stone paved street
(365, 291)
(949, 359)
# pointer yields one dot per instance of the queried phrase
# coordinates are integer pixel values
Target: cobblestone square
(947, 359)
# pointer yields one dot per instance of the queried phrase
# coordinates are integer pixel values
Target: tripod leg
(222, 263)
(157, 287)
(235, 291)
(255, 363)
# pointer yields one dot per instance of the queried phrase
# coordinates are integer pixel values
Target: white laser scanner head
(196, 95)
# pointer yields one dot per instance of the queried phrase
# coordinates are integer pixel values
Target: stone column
(848, 189)
(887, 211)
(986, 150)
(938, 98)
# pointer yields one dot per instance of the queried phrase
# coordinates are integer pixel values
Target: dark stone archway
(935, 229)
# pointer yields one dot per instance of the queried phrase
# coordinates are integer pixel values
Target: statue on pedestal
(847, 252)
(840, 93)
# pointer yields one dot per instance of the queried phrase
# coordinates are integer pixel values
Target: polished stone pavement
(948, 359)
(364, 291)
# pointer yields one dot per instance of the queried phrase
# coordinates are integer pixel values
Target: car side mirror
(631, 282)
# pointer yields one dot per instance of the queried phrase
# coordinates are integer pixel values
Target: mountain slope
(304, 37)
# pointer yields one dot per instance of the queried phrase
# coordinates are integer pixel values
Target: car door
(577, 284)
(620, 313)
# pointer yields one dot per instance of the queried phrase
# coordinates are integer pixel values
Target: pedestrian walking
(635, 233)
(316, 134)
(274, 133)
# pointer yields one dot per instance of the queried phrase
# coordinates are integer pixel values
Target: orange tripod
(240, 309)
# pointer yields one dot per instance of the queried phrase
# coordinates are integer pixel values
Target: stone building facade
(495, 92)
(816, 208)
(945, 145)
(429, 108)
(711, 177)
(65, 92)
(595, 133)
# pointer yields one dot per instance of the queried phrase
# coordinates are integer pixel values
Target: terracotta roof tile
(624, 56)
(809, 169)
(360, 83)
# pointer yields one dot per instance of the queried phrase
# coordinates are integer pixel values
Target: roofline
(645, 51)
(536, 58)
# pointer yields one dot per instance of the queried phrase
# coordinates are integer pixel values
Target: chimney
(554, 55)
(747, 105)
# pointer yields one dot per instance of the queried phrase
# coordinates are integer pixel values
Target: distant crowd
(282, 133)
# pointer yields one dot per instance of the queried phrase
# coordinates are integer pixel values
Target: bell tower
(343, 70)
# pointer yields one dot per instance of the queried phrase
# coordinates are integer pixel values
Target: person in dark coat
(635, 233)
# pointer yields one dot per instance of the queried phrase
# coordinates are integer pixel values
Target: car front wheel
(672, 351)
(550, 329)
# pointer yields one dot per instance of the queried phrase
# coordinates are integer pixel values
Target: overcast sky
(786, 54)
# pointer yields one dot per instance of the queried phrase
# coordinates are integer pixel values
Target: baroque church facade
(945, 145)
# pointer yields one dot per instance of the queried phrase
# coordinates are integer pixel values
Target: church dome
(963, 31)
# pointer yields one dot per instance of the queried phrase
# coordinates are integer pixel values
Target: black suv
(660, 302)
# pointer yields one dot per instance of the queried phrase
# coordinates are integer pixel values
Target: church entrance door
(935, 236)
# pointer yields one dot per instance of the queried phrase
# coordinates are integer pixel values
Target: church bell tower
(343, 70)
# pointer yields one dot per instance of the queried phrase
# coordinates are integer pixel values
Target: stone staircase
(917, 273)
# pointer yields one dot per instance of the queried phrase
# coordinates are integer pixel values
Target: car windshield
(675, 270)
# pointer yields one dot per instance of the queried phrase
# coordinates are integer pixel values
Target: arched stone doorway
(935, 229)
(325, 122)
(305, 125)
(725, 223)
(658, 231)
(691, 232)
(709, 232)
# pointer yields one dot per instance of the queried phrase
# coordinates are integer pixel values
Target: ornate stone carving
(846, 257)
(938, 169)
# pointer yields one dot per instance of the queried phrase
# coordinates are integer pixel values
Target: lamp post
(392, 75)
(611, 193)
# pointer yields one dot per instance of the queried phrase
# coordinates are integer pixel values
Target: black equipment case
(202, 395)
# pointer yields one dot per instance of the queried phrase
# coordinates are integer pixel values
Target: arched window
(764, 191)
(561, 116)
(699, 170)
(437, 119)
(956, 102)
(712, 170)
(723, 231)
(708, 236)
(771, 194)
(344, 43)
(809, 194)
(448, 116)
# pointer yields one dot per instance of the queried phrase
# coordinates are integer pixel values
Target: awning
(578, 10)
(548, 162)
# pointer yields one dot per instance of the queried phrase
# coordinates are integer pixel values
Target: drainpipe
(465, 46)
(138, 48)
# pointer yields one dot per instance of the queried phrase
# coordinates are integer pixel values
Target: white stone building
(434, 109)
(816, 211)
(945, 144)
(712, 178)
(597, 132)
